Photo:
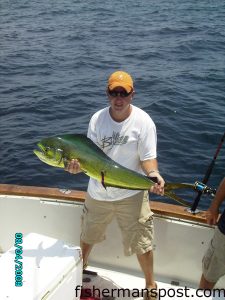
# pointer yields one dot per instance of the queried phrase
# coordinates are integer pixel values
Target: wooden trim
(176, 211)
(42, 192)
(164, 209)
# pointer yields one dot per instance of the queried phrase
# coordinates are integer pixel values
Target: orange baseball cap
(120, 78)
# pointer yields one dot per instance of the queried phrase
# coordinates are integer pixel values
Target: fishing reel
(204, 189)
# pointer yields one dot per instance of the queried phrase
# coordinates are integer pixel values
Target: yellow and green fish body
(57, 151)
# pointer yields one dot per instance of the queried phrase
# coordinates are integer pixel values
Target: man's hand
(213, 212)
(212, 216)
(158, 188)
(73, 166)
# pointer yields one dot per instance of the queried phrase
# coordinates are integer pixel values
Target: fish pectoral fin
(103, 179)
(65, 162)
(60, 151)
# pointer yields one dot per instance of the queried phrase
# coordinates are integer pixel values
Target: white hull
(180, 239)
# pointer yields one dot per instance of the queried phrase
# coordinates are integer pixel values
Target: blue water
(55, 57)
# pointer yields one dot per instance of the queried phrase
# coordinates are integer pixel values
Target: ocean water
(56, 56)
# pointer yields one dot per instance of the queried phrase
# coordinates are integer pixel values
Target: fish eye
(47, 149)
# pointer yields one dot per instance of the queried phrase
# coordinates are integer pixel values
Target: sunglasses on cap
(122, 94)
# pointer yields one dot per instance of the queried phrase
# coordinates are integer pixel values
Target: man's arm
(150, 167)
(213, 211)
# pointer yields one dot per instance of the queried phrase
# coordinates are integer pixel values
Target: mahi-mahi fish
(57, 151)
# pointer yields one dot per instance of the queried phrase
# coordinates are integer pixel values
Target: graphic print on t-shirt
(115, 139)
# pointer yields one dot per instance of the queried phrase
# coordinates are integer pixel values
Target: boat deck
(110, 284)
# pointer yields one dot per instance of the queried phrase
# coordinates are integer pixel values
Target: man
(214, 260)
(128, 135)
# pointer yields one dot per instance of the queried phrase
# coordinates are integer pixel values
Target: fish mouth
(52, 160)
(42, 156)
(41, 147)
(40, 151)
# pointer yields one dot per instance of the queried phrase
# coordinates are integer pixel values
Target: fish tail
(174, 186)
(177, 198)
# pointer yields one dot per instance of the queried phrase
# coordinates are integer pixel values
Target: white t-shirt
(127, 143)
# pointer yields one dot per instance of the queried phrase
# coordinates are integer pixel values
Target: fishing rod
(202, 185)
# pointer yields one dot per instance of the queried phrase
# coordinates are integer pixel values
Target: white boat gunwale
(51, 193)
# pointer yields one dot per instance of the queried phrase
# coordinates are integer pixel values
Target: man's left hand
(158, 187)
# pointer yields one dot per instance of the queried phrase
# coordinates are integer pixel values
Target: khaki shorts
(213, 262)
(134, 218)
